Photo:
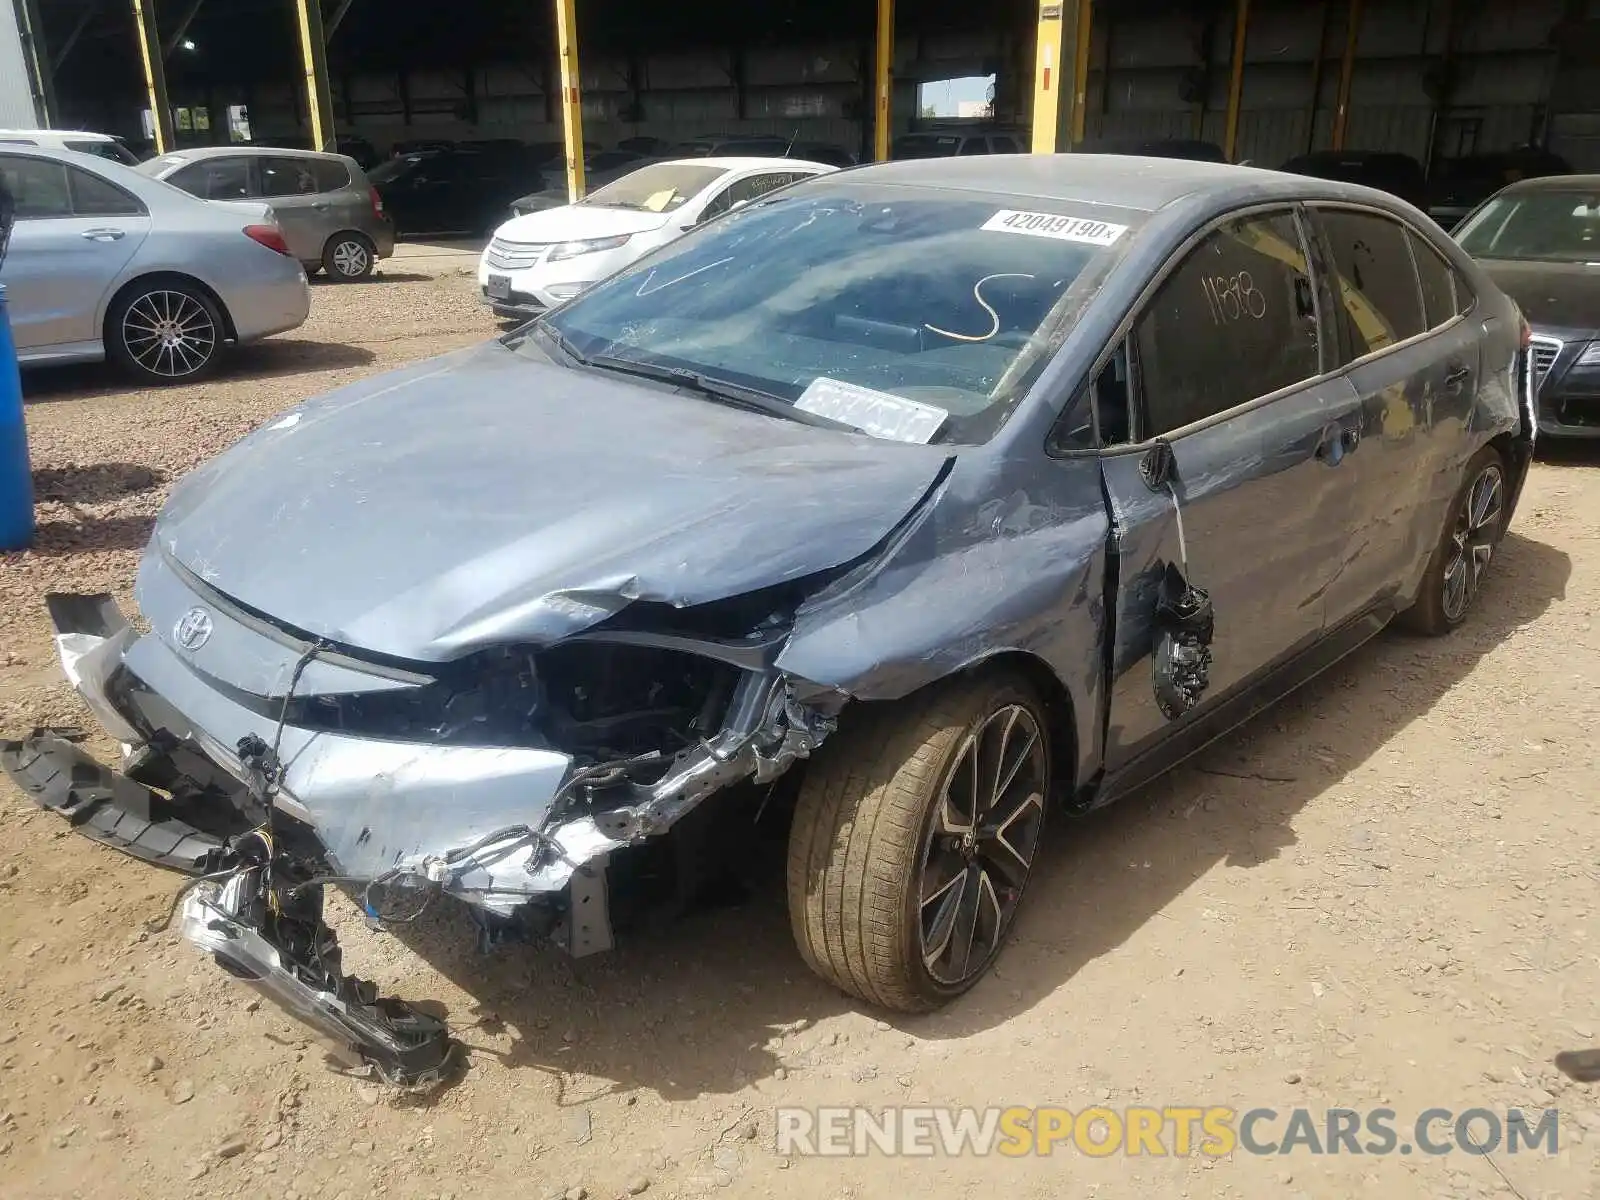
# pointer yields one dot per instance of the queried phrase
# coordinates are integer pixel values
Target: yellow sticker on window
(658, 201)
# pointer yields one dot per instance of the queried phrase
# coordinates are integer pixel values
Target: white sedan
(539, 260)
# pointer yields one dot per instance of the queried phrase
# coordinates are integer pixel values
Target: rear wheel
(165, 331)
(1473, 527)
(913, 840)
(349, 257)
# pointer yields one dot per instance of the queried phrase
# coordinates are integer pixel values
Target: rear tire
(349, 257)
(165, 331)
(906, 861)
(1473, 526)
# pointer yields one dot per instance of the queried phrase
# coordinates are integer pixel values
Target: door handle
(103, 235)
(322, 207)
(1337, 441)
(1456, 377)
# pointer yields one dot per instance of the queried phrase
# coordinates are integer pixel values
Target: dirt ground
(1382, 893)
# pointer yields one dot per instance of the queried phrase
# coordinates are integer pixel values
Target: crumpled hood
(1551, 295)
(489, 497)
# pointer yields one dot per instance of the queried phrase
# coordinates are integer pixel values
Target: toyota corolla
(907, 506)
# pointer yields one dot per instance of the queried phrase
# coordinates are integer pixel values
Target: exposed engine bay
(420, 786)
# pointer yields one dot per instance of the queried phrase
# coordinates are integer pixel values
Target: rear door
(1229, 367)
(74, 235)
(290, 186)
(1413, 364)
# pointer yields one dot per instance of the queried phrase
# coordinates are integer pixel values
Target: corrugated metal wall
(1167, 76)
(16, 97)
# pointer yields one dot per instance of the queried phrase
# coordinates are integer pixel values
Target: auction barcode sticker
(1053, 225)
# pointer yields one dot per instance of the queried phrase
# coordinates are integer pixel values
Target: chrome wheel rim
(350, 258)
(980, 845)
(169, 333)
(1472, 540)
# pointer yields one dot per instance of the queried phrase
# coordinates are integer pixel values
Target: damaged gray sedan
(906, 506)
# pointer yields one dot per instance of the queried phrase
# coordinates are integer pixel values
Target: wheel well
(1058, 704)
(144, 281)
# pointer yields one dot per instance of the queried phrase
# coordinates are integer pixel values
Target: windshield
(857, 299)
(394, 168)
(659, 188)
(1542, 226)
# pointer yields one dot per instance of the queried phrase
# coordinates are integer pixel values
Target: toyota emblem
(193, 629)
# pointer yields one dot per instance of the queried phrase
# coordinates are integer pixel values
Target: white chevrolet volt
(539, 260)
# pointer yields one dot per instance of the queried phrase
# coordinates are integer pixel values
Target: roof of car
(1557, 183)
(196, 153)
(744, 163)
(1126, 180)
(57, 133)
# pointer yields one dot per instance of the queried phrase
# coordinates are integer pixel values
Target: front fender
(1022, 572)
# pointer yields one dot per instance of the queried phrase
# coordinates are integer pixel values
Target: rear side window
(975, 145)
(1376, 282)
(111, 150)
(1234, 321)
(331, 175)
(215, 179)
(94, 197)
(288, 177)
(1439, 303)
(37, 186)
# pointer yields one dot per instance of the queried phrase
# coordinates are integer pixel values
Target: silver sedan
(107, 263)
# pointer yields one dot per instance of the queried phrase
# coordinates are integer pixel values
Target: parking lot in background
(1380, 895)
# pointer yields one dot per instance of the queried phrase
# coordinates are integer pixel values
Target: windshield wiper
(562, 342)
(720, 390)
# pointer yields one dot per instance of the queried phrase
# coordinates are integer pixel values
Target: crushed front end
(269, 764)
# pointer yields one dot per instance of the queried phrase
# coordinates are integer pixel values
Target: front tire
(913, 840)
(349, 257)
(165, 332)
(1474, 524)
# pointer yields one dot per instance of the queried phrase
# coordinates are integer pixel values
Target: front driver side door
(1228, 370)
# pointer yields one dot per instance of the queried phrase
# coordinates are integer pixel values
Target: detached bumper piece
(273, 938)
(106, 806)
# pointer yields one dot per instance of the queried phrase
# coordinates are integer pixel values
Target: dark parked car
(1190, 148)
(1461, 184)
(1398, 174)
(957, 143)
(453, 191)
(892, 505)
(1540, 241)
(601, 169)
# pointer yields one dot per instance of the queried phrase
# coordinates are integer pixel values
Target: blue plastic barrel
(16, 479)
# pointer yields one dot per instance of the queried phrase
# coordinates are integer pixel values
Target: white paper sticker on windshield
(1053, 225)
(881, 414)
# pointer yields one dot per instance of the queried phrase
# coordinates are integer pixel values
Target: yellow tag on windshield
(660, 200)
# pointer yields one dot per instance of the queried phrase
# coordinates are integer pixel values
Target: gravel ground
(1380, 894)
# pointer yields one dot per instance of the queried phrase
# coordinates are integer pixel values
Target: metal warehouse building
(1266, 80)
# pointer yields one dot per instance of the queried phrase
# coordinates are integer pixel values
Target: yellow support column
(1080, 71)
(1241, 33)
(1047, 78)
(1341, 113)
(314, 54)
(883, 82)
(571, 100)
(155, 76)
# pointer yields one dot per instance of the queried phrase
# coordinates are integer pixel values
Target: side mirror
(737, 205)
(1158, 466)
